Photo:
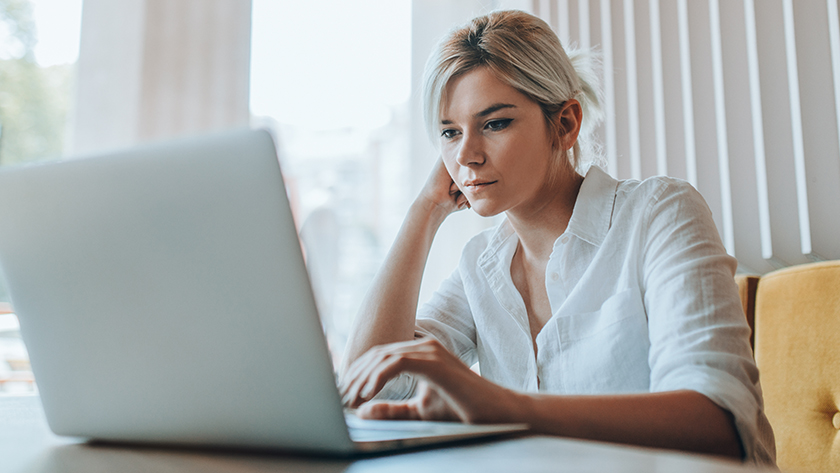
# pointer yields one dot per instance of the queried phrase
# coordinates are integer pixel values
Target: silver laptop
(163, 298)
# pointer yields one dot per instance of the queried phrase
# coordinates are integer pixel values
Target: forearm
(681, 420)
(388, 311)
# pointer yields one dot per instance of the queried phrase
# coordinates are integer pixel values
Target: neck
(539, 225)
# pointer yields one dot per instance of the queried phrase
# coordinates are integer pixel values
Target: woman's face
(495, 143)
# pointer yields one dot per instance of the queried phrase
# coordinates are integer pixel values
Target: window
(335, 81)
(38, 49)
(337, 93)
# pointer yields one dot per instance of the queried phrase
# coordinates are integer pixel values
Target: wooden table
(27, 445)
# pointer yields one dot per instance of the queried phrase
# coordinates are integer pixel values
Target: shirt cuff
(732, 395)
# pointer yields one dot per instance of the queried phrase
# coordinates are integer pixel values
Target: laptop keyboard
(374, 430)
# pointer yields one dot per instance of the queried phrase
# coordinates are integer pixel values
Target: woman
(598, 309)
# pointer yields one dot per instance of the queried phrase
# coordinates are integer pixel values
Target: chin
(485, 211)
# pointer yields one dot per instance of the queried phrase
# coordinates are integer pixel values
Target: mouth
(477, 185)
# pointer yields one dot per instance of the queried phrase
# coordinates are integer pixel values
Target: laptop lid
(163, 297)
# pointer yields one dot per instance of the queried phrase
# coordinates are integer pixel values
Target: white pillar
(152, 69)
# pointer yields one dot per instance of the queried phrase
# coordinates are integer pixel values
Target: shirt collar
(592, 215)
(501, 236)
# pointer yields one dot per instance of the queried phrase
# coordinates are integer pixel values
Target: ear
(569, 119)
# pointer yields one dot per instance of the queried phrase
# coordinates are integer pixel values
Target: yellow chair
(747, 286)
(797, 349)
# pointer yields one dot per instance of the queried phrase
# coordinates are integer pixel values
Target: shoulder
(657, 194)
(662, 213)
(655, 189)
(601, 195)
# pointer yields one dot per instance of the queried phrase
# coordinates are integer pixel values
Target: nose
(471, 151)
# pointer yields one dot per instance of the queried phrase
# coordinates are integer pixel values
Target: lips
(477, 184)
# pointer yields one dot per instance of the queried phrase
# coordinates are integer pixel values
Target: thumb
(388, 410)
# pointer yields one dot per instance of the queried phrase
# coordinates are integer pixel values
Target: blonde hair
(522, 51)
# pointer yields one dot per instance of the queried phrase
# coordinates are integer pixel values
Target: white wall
(739, 97)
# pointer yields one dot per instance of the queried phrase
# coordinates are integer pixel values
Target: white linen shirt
(642, 299)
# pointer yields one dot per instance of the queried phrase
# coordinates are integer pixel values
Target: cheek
(451, 167)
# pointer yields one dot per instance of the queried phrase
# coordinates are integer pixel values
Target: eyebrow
(485, 112)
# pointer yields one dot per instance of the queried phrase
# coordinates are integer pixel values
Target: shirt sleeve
(447, 318)
(699, 338)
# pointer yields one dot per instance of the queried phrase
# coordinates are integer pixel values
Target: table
(27, 445)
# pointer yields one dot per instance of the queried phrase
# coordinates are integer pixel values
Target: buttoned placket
(555, 286)
(495, 264)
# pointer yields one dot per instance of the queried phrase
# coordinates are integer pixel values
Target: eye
(449, 133)
(497, 125)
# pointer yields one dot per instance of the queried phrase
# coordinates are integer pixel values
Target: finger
(426, 357)
(388, 410)
(358, 389)
(352, 393)
(447, 389)
(351, 374)
(421, 362)
(432, 405)
(366, 362)
(436, 402)
(462, 202)
(427, 404)
(454, 190)
(359, 372)
(375, 380)
(363, 365)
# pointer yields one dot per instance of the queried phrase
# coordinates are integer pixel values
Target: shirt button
(836, 421)
(555, 277)
(564, 239)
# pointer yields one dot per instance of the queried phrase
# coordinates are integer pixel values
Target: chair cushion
(797, 349)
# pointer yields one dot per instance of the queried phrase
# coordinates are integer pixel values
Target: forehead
(475, 91)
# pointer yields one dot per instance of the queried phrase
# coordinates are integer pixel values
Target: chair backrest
(747, 286)
(797, 349)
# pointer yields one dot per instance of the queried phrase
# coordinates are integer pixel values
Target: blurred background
(739, 99)
(335, 82)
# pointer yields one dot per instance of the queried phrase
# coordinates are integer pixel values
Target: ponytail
(588, 67)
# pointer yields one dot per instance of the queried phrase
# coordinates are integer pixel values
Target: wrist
(428, 211)
(522, 409)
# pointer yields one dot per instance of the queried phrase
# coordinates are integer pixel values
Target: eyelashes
(497, 125)
(448, 133)
(492, 125)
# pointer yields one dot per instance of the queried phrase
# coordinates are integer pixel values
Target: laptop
(163, 299)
